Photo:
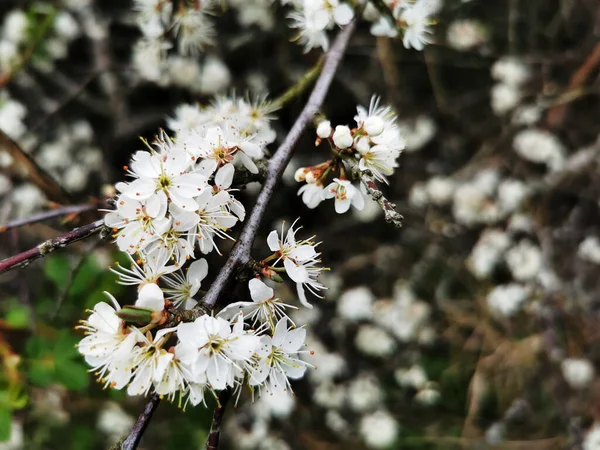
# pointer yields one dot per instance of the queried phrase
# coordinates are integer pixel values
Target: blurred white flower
(506, 299)
(524, 260)
(592, 438)
(379, 430)
(589, 249)
(505, 98)
(364, 393)
(356, 304)
(464, 34)
(579, 373)
(415, 377)
(440, 190)
(418, 132)
(487, 252)
(511, 71)
(374, 341)
(540, 146)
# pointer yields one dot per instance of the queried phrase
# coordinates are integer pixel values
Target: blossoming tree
(178, 201)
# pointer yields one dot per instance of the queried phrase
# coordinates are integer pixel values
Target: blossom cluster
(371, 148)
(409, 19)
(251, 343)
(406, 18)
(185, 361)
(163, 22)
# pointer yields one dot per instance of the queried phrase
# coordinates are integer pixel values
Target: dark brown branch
(133, 440)
(212, 443)
(38, 176)
(240, 254)
(46, 215)
(27, 257)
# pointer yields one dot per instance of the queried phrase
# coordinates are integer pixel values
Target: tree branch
(133, 440)
(212, 443)
(240, 254)
(27, 257)
(46, 215)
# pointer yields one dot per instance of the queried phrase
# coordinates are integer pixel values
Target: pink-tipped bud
(300, 174)
(312, 176)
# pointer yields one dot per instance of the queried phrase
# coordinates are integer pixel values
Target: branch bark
(27, 257)
(212, 443)
(133, 440)
(46, 215)
(240, 255)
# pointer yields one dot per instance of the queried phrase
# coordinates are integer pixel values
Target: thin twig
(46, 215)
(133, 440)
(389, 208)
(27, 257)
(240, 254)
(300, 86)
(212, 443)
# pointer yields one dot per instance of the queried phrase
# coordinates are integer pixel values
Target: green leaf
(5, 424)
(37, 346)
(18, 317)
(58, 268)
(41, 372)
(65, 346)
(72, 375)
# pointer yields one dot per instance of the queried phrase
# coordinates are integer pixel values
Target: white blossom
(278, 359)
(524, 260)
(579, 373)
(541, 147)
(506, 299)
(374, 341)
(379, 430)
(182, 289)
(345, 195)
(265, 307)
(589, 250)
(212, 347)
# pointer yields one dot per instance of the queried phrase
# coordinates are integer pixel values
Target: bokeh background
(473, 326)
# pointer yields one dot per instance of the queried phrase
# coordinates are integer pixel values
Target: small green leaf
(37, 346)
(58, 268)
(72, 375)
(41, 372)
(65, 346)
(5, 424)
(18, 317)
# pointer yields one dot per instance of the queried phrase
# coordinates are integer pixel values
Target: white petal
(259, 291)
(343, 14)
(224, 176)
(342, 206)
(273, 241)
(197, 271)
(151, 297)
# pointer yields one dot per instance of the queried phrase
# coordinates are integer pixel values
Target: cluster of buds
(371, 148)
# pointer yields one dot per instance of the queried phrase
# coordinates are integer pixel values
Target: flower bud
(271, 274)
(136, 314)
(374, 126)
(324, 129)
(312, 176)
(342, 137)
(363, 145)
(300, 174)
